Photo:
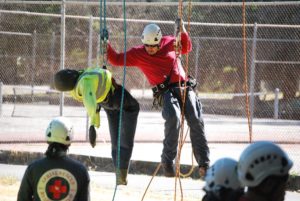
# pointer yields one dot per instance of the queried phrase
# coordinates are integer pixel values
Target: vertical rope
(246, 71)
(100, 23)
(104, 13)
(122, 98)
(178, 52)
(102, 27)
(154, 174)
(182, 138)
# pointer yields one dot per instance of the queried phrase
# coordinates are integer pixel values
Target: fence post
(98, 50)
(197, 58)
(252, 74)
(276, 103)
(90, 53)
(90, 41)
(33, 63)
(1, 99)
(62, 50)
(52, 49)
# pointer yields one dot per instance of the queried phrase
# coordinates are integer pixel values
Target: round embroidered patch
(57, 184)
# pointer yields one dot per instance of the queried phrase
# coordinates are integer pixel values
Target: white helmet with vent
(151, 35)
(60, 130)
(223, 173)
(261, 160)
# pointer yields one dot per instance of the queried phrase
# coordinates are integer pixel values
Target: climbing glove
(179, 25)
(92, 136)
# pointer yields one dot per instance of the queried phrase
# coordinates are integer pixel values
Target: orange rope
(180, 14)
(192, 168)
(154, 174)
(182, 138)
(246, 70)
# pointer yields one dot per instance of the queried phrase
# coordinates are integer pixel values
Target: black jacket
(55, 178)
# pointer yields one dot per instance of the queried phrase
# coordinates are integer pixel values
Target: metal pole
(1, 98)
(33, 62)
(52, 48)
(89, 65)
(90, 41)
(276, 103)
(197, 58)
(252, 74)
(62, 51)
(98, 50)
(146, 3)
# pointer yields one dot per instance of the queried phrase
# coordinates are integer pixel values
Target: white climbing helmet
(261, 160)
(223, 173)
(60, 130)
(151, 35)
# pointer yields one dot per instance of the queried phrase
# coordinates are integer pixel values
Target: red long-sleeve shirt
(158, 66)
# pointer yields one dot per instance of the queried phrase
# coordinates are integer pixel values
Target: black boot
(169, 170)
(202, 171)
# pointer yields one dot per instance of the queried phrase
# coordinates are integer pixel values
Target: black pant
(171, 113)
(130, 113)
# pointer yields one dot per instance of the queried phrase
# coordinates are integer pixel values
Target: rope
(181, 140)
(122, 98)
(187, 64)
(192, 168)
(154, 174)
(246, 71)
(103, 41)
(177, 32)
(103, 52)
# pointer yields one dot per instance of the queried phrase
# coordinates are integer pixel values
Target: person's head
(264, 168)
(59, 130)
(66, 79)
(221, 180)
(151, 38)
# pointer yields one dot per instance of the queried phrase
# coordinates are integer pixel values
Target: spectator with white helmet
(264, 169)
(221, 181)
(157, 58)
(56, 176)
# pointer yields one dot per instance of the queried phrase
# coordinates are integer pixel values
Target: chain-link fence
(31, 46)
(31, 52)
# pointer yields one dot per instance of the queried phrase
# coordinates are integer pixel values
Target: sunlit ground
(9, 189)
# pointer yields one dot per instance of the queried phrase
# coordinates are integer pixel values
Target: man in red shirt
(157, 59)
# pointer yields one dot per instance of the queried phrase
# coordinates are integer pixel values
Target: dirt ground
(9, 187)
